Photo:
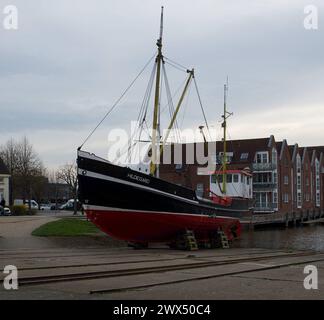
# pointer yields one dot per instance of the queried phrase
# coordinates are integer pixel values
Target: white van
(18, 202)
(33, 204)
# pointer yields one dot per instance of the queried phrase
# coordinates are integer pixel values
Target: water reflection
(309, 237)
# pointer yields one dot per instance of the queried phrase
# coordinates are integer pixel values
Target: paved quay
(100, 268)
(161, 273)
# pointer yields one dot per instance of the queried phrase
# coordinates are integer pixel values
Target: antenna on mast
(224, 125)
(161, 26)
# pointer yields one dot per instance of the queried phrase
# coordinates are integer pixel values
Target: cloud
(70, 60)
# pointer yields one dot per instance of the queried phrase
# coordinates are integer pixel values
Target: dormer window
(244, 156)
(274, 156)
(229, 157)
(298, 164)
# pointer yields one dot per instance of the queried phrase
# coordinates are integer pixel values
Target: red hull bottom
(137, 226)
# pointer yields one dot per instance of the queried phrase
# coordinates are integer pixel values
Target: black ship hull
(133, 206)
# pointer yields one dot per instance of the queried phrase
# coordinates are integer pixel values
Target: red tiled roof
(250, 146)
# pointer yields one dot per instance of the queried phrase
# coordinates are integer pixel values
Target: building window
(299, 182)
(286, 179)
(275, 198)
(298, 164)
(200, 189)
(244, 156)
(235, 178)
(318, 202)
(317, 167)
(213, 178)
(275, 177)
(299, 199)
(307, 181)
(285, 197)
(307, 197)
(274, 156)
(229, 178)
(262, 157)
(248, 181)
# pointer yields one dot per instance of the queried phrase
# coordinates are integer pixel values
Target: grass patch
(66, 227)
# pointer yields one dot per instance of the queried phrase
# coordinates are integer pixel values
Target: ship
(139, 207)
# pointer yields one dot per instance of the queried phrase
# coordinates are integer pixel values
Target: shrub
(21, 210)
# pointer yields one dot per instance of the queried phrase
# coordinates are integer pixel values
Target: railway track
(29, 281)
(210, 276)
(95, 264)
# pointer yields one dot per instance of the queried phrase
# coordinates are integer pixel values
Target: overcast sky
(70, 60)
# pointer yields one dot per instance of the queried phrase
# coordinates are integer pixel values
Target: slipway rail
(66, 277)
(205, 277)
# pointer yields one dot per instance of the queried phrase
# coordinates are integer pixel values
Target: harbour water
(309, 237)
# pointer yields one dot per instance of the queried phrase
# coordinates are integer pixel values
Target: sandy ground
(15, 233)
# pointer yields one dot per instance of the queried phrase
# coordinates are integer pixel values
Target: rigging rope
(202, 108)
(141, 116)
(170, 101)
(117, 101)
(176, 65)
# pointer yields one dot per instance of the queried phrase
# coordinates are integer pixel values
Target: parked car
(45, 206)
(55, 206)
(5, 211)
(33, 204)
(69, 205)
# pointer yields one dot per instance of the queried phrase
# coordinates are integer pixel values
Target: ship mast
(225, 115)
(154, 169)
(157, 147)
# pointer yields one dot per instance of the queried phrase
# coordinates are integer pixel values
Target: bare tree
(24, 166)
(68, 175)
(9, 154)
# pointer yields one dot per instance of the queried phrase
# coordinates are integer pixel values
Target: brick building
(286, 177)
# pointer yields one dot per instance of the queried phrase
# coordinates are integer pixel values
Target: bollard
(287, 220)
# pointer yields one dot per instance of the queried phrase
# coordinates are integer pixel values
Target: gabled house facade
(265, 177)
(285, 177)
(306, 180)
(4, 183)
(317, 164)
(281, 177)
(297, 176)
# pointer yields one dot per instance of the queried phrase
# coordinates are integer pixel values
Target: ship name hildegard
(138, 178)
